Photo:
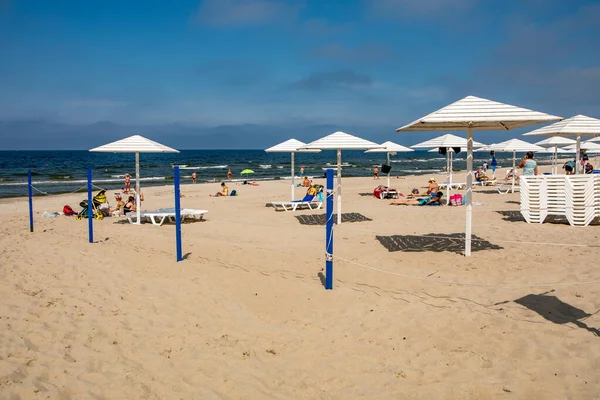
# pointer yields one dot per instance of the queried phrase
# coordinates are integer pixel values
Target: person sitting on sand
(130, 205)
(224, 191)
(434, 199)
(306, 182)
(433, 186)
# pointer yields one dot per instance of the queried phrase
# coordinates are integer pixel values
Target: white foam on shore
(64, 182)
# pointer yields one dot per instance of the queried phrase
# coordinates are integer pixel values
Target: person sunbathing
(250, 183)
(386, 189)
(223, 192)
(481, 177)
(434, 199)
(510, 174)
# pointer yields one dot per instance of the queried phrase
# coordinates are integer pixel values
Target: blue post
(177, 215)
(90, 206)
(30, 201)
(329, 232)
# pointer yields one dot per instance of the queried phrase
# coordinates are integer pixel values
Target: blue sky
(356, 62)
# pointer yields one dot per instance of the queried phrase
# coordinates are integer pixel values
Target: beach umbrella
(515, 145)
(577, 126)
(391, 149)
(474, 113)
(246, 171)
(556, 142)
(292, 146)
(448, 142)
(135, 144)
(341, 141)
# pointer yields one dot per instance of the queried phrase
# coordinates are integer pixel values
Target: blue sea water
(66, 171)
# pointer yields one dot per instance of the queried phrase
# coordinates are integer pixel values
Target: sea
(56, 172)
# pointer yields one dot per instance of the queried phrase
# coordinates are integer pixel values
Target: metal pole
(469, 193)
(389, 172)
(449, 172)
(177, 215)
(339, 187)
(90, 213)
(138, 203)
(293, 189)
(512, 190)
(578, 155)
(30, 201)
(329, 231)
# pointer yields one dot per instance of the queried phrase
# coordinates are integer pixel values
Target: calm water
(66, 171)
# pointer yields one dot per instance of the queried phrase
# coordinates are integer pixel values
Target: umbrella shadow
(434, 242)
(320, 219)
(557, 311)
(511, 216)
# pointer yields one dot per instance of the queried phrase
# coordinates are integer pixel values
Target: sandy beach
(245, 315)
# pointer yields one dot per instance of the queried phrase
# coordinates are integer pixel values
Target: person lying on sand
(434, 199)
(224, 191)
(250, 183)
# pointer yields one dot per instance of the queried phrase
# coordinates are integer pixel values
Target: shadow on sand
(557, 311)
(320, 219)
(434, 242)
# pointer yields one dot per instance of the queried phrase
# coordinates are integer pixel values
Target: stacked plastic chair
(580, 199)
(575, 197)
(534, 199)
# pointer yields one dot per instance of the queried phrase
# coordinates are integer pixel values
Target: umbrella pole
(469, 199)
(293, 191)
(390, 171)
(339, 186)
(578, 155)
(555, 161)
(137, 186)
(449, 171)
(512, 190)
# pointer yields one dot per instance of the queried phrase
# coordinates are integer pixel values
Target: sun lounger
(159, 216)
(453, 185)
(306, 202)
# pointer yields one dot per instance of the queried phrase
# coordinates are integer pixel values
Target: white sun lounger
(159, 216)
(295, 205)
(453, 185)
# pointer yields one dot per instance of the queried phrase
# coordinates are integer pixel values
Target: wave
(265, 166)
(63, 182)
(206, 167)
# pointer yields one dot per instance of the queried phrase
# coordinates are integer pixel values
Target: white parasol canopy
(577, 126)
(290, 146)
(480, 114)
(589, 146)
(556, 141)
(341, 141)
(515, 145)
(135, 144)
(390, 148)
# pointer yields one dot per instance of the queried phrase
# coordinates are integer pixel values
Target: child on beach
(194, 177)
(229, 175)
(127, 183)
(375, 173)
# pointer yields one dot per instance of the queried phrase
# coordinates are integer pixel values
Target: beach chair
(453, 185)
(307, 202)
(160, 216)
(482, 183)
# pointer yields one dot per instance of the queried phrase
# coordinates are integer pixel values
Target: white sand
(245, 316)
